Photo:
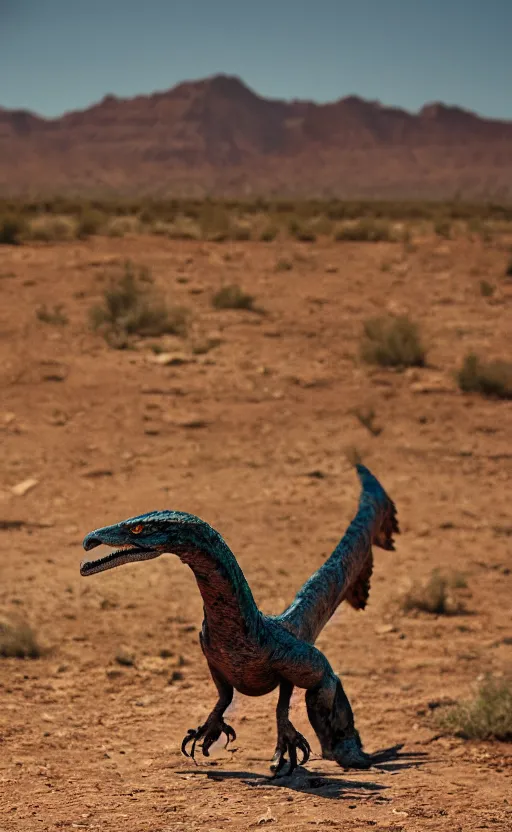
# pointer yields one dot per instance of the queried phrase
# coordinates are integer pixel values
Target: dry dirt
(236, 436)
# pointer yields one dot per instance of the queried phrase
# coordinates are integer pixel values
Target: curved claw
(209, 734)
(279, 759)
(230, 734)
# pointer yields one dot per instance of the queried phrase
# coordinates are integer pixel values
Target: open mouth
(125, 554)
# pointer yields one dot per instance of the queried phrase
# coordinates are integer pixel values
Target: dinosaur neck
(228, 600)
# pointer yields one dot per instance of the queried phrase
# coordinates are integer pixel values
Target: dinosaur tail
(346, 574)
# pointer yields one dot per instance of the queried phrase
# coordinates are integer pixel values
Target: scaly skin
(254, 653)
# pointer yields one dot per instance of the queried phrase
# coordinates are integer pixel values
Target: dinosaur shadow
(323, 783)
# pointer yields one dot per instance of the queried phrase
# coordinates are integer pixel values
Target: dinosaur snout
(91, 541)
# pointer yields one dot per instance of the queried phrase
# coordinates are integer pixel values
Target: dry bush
(130, 308)
(365, 231)
(183, 228)
(492, 378)
(393, 342)
(304, 232)
(435, 595)
(487, 717)
(268, 233)
(284, 265)
(17, 640)
(443, 228)
(51, 229)
(12, 230)
(90, 222)
(233, 297)
(119, 226)
(486, 289)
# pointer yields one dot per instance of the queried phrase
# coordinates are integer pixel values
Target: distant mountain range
(216, 136)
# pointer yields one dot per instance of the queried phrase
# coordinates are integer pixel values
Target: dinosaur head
(141, 538)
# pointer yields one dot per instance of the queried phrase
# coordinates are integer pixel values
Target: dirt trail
(251, 436)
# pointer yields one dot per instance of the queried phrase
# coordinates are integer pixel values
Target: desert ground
(249, 422)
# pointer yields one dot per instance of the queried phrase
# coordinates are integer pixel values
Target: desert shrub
(239, 231)
(283, 265)
(269, 233)
(54, 316)
(435, 596)
(12, 229)
(486, 289)
(493, 378)
(366, 231)
(392, 342)
(17, 640)
(486, 717)
(49, 229)
(184, 228)
(233, 297)
(443, 228)
(89, 223)
(302, 231)
(131, 308)
(119, 226)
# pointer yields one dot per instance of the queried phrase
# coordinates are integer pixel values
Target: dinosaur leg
(214, 726)
(331, 716)
(288, 738)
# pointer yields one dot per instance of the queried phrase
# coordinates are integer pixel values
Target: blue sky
(57, 55)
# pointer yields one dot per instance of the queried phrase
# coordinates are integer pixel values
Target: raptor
(255, 653)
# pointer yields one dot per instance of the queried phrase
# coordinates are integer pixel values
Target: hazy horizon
(57, 57)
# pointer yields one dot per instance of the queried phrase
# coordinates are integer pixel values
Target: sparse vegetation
(492, 378)
(443, 228)
(233, 297)
(259, 219)
(486, 717)
(130, 308)
(487, 289)
(365, 230)
(50, 229)
(284, 265)
(12, 228)
(393, 342)
(54, 316)
(90, 222)
(17, 640)
(436, 595)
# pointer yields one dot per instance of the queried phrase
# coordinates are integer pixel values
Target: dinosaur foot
(208, 733)
(288, 741)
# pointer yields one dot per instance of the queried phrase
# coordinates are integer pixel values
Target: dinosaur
(255, 653)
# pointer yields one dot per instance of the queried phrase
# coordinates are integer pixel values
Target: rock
(382, 629)
(24, 487)
(172, 359)
(125, 658)
(96, 473)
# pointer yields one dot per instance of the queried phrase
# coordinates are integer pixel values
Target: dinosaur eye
(137, 529)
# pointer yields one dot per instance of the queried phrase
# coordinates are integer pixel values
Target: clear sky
(57, 55)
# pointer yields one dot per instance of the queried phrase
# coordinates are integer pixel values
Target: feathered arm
(346, 574)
